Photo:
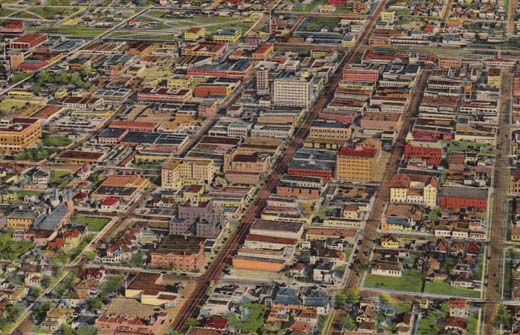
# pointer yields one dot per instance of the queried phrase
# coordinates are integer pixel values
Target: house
(456, 324)
(458, 308)
(388, 269)
(401, 217)
(463, 280)
(390, 242)
(109, 204)
(56, 317)
(94, 273)
(33, 279)
(404, 323)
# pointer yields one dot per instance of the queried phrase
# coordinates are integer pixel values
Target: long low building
(284, 229)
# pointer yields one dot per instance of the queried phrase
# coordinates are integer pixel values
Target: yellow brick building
(359, 163)
(228, 35)
(194, 33)
(182, 171)
(20, 220)
(18, 134)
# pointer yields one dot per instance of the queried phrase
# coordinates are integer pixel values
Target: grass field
(142, 36)
(410, 282)
(6, 11)
(72, 32)
(22, 193)
(50, 13)
(210, 23)
(438, 287)
(485, 149)
(10, 249)
(93, 223)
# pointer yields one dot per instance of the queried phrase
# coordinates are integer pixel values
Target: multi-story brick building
(12, 27)
(414, 189)
(108, 323)
(244, 166)
(464, 196)
(207, 216)
(182, 253)
(449, 62)
(29, 41)
(431, 152)
(330, 130)
(194, 33)
(179, 171)
(359, 162)
(360, 75)
(18, 134)
(164, 94)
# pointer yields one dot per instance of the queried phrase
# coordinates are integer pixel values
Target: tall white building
(293, 91)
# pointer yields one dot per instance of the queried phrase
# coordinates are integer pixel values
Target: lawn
(50, 13)
(211, 23)
(25, 14)
(317, 24)
(472, 325)
(12, 105)
(93, 223)
(72, 32)
(59, 178)
(254, 321)
(142, 36)
(56, 141)
(310, 6)
(32, 154)
(23, 193)
(439, 287)
(486, 149)
(10, 249)
(6, 11)
(410, 281)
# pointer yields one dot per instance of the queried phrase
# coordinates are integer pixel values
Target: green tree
(86, 330)
(349, 324)
(192, 322)
(66, 330)
(503, 317)
(352, 296)
(137, 259)
(340, 299)
(40, 310)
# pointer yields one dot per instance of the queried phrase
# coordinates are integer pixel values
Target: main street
(382, 194)
(500, 189)
(217, 267)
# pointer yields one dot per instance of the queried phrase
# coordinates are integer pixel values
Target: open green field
(51, 13)
(439, 287)
(72, 32)
(6, 11)
(142, 36)
(210, 23)
(313, 6)
(410, 282)
(10, 249)
(23, 193)
(485, 149)
(319, 23)
(92, 223)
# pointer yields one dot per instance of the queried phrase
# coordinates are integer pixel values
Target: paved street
(499, 221)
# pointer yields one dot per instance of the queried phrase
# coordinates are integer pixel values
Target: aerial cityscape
(268, 167)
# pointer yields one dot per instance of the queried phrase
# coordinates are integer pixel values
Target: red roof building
(29, 41)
